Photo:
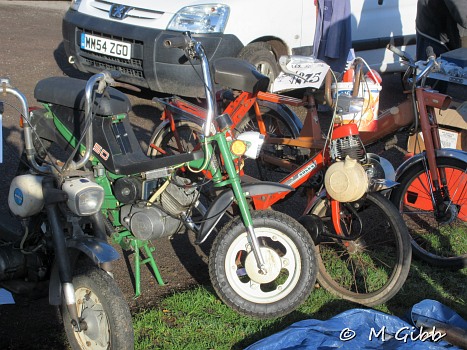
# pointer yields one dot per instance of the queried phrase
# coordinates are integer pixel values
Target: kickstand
(137, 244)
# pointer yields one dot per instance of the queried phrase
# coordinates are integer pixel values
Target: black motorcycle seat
(69, 92)
(115, 143)
(239, 74)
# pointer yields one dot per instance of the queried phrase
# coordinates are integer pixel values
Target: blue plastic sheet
(366, 329)
(6, 297)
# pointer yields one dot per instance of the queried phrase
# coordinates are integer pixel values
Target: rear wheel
(268, 165)
(443, 241)
(166, 142)
(372, 268)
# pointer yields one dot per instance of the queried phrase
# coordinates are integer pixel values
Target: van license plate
(105, 46)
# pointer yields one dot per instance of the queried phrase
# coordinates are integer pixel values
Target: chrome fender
(99, 251)
(223, 202)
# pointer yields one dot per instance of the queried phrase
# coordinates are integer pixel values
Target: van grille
(103, 65)
(136, 12)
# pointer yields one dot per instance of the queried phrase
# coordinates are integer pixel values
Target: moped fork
(234, 181)
(53, 196)
(427, 101)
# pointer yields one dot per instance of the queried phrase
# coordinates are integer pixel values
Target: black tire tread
(398, 280)
(112, 299)
(283, 306)
(397, 194)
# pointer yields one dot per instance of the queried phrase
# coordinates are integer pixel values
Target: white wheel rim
(97, 336)
(283, 270)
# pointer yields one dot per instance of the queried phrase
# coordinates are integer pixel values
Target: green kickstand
(137, 245)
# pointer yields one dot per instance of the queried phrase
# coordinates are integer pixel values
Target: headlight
(84, 197)
(210, 18)
(75, 4)
(254, 141)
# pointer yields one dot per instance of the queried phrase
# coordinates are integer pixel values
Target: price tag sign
(298, 73)
(448, 138)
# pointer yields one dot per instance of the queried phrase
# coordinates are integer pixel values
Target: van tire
(261, 55)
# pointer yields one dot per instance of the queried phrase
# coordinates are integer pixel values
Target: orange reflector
(238, 147)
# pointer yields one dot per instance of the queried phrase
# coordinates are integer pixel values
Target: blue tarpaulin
(367, 329)
(6, 297)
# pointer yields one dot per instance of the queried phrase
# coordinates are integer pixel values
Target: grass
(197, 319)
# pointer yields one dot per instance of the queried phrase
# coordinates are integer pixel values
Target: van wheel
(260, 55)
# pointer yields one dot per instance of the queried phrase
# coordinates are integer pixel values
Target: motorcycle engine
(162, 217)
(346, 142)
(346, 179)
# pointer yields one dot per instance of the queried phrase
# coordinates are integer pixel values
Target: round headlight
(84, 197)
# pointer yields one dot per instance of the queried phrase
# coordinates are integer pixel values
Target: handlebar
(195, 50)
(29, 148)
(431, 61)
(402, 54)
(103, 79)
(179, 42)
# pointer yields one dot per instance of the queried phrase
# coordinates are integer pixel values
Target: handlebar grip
(405, 56)
(179, 42)
(430, 53)
(116, 74)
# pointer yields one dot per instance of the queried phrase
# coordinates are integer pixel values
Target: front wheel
(103, 310)
(439, 241)
(290, 262)
(371, 268)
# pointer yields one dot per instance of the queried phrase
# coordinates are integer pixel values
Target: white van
(128, 35)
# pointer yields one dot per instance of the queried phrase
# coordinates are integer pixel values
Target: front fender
(443, 152)
(99, 251)
(223, 202)
(286, 114)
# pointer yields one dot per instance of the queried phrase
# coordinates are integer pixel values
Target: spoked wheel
(372, 268)
(290, 266)
(269, 164)
(166, 142)
(186, 139)
(440, 241)
(103, 311)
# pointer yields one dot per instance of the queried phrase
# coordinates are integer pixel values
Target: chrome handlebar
(30, 151)
(195, 50)
(431, 62)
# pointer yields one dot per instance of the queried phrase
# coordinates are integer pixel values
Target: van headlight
(84, 197)
(209, 18)
(254, 141)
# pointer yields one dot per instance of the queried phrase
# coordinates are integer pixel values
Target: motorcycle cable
(22, 161)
